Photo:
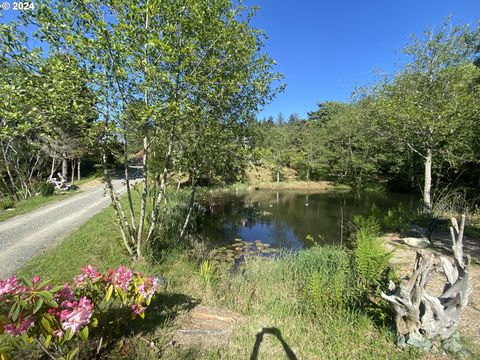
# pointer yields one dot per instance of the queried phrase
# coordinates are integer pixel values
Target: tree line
(417, 130)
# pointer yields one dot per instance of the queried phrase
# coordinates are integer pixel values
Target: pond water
(284, 219)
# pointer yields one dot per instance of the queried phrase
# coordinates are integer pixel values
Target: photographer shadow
(273, 331)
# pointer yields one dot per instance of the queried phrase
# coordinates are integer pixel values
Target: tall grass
(312, 298)
(172, 217)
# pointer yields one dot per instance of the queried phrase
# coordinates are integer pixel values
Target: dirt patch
(205, 327)
(262, 174)
(403, 261)
(90, 184)
(295, 185)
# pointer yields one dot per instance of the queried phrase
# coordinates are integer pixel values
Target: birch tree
(196, 68)
(430, 105)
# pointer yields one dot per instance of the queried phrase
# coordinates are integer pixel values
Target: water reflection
(284, 219)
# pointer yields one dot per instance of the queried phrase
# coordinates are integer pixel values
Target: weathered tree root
(422, 318)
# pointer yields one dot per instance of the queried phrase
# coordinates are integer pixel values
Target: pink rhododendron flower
(65, 293)
(58, 333)
(90, 271)
(36, 279)
(79, 279)
(149, 287)
(76, 314)
(137, 309)
(20, 327)
(122, 277)
(11, 286)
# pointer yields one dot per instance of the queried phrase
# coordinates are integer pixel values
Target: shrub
(46, 188)
(370, 256)
(7, 203)
(34, 312)
(172, 215)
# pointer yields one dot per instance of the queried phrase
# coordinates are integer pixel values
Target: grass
(276, 294)
(26, 205)
(32, 203)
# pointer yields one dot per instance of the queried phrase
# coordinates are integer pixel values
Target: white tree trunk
(73, 171)
(52, 172)
(427, 187)
(64, 165)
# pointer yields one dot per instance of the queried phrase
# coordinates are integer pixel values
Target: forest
(164, 96)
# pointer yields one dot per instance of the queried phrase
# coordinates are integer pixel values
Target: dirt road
(25, 236)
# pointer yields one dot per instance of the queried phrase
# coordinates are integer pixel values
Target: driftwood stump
(422, 318)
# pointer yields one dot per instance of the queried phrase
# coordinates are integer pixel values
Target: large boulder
(420, 243)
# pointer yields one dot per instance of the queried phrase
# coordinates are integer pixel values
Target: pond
(291, 219)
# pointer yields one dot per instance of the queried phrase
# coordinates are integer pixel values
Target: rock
(454, 346)
(423, 343)
(420, 243)
(419, 230)
(205, 327)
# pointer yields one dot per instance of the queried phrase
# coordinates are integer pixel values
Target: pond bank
(297, 185)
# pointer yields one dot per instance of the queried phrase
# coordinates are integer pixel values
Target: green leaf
(45, 325)
(73, 354)
(51, 303)
(69, 334)
(12, 310)
(120, 293)
(38, 305)
(84, 333)
(46, 295)
(109, 293)
(16, 312)
(94, 322)
(48, 339)
(26, 281)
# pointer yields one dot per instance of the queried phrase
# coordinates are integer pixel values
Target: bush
(45, 188)
(370, 256)
(395, 219)
(172, 215)
(34, 312)
(7, 203)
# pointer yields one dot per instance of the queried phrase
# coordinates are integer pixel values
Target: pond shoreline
(297, 185)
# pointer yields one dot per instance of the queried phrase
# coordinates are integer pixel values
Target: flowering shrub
(33, 311)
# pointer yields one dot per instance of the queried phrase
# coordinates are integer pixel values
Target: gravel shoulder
(25, 236)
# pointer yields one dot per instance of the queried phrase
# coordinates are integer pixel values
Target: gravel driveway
(27, 235)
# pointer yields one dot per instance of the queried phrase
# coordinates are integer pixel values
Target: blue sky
(327, 48)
